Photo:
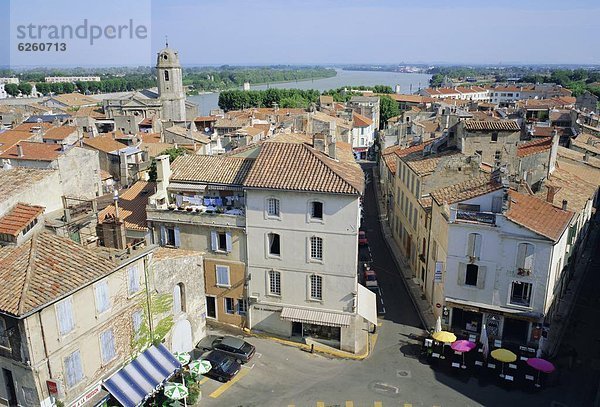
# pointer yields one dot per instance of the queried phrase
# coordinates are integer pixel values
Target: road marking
(248, 367)
(349, 403)
(378, 404)
(407, 404)
(320, 404)
(230, 383)
(204, 380)
(258, 355)
(379, 323)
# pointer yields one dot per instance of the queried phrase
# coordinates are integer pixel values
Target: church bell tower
(170, 85)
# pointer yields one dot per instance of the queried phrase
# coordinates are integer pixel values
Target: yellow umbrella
(504, 356)
(444, 336)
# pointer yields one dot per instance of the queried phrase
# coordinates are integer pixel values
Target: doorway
(11, 392)
(296, 328)
(515, 330)
(211, 307)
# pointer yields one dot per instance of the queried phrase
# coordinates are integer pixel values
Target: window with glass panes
(274, 282)
(316, 248)
(316, 287)
(273, 207)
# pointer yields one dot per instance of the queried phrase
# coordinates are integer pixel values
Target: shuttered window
(107, 345)
(102, 296)
(474, 245)
(73, 369)
(133, 278)
(64, 314)
(223, 276)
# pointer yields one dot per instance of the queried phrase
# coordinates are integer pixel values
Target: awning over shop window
(367, 304)
(308, 316)
(143, 376)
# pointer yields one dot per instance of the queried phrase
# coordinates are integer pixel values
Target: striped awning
(143, 376)
(309, 316)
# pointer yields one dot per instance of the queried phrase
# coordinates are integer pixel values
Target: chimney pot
(550, 194)
(19, 150)
(564, 205)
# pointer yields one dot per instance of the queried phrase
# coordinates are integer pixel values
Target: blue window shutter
(213, 240)
(177, 239)
(228, 241)
(163, 235)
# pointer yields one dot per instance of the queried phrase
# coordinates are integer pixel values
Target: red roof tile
(132, 206)
(534, 146)
(18, 218)
(33, 151)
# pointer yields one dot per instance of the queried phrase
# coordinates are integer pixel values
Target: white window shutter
(228, 241)
(477, 245)
(177, 238)
(214, 240)
(163, 235)
(481, 277)
(65, 316)
(462, 273)
(102, 297)
(471, 244)
(521, 252)
(529, 257)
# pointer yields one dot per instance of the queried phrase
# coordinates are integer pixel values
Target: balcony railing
(164, 213)
(479, 217)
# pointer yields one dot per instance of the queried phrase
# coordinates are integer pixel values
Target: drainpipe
(148, 299)
(428, 247)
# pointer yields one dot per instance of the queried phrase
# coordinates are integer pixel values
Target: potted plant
(189, 209)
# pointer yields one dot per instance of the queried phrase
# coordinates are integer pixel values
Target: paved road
(392, 376)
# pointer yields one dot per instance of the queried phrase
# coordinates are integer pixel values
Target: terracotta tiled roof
(15, 180)
(11, 137)
(406, 98)
(503, 125)
(33, 151)
(534, 146)
(299, 167)
(44, 269)
(358, 120)
(18, 218)
(75, 100)
(211, 169)
(390, 162)
(132, 206)
(150, 137)
(426, 165)
(32, 126)
(59, 133)
(426, 202)
(104, 143)
(575, 187)
(403, 152)
(469, 189)
(206, 119)
(90, 111)
(538, 215)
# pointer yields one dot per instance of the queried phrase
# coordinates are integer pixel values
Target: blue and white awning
(142, 376)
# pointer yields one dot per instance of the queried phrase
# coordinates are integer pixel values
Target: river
(408, 82)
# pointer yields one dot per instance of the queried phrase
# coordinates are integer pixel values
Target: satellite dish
(206, 129)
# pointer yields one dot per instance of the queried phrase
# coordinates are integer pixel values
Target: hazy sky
(345, 31)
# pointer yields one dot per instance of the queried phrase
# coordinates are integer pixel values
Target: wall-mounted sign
(438, 275)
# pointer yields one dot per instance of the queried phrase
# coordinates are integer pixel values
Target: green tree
(12, 89)
(388, 108)
(25, 88)
(43, 87)
(173, 153)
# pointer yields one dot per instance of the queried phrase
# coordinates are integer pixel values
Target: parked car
(362, 238)
(370, 279)
(224, 367)
(237, 348)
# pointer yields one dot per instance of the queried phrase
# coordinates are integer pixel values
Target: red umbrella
(463, 346)
(541, 365)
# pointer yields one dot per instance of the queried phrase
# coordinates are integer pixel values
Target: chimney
(564, 205)
(586, 156)
(550, 194)
(19, 150)
(163, 173)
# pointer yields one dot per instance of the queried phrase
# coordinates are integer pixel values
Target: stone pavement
(414, 290)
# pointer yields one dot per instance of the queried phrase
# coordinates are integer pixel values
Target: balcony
(210, 210)
(458, 215)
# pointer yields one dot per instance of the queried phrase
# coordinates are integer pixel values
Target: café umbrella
(444, 337)
(182, 357)
(199, 367)
(463, 346)
(504, 356)
(175, 391)
(541, 365)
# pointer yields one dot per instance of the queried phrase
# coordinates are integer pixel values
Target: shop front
(320, 326)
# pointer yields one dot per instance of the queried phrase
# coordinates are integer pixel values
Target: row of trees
(577, 80)
(230, 77)
(13, 89)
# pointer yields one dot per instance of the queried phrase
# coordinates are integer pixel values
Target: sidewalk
(421, 305)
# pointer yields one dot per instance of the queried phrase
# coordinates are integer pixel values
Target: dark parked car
(224, 367)
(238, 349)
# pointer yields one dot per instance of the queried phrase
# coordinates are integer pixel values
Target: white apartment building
(298, 207)
(506, 251)
(475, 93)
(363, 134)
(64, 79)
(3, 94)
(9, 80)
